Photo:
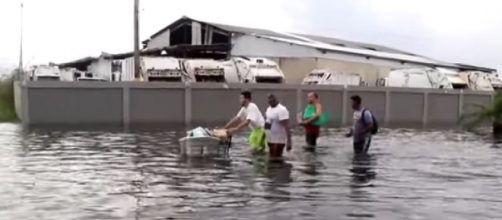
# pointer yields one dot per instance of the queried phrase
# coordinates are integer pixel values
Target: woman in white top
(277, 127)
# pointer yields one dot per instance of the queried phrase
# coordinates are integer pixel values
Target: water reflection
(362, 170)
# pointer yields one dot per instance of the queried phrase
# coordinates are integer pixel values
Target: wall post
(461, 103)
(345, 98)
(299, 97)
(426, 109)
(126, 105)
(387, 107)
(188, 104)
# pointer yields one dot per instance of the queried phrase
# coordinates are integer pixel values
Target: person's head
(356, 102)
(312, 97)
(245, 98)
(272, 100)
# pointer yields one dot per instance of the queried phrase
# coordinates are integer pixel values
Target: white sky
(468, 31)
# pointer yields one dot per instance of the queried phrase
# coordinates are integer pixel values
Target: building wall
(163, 40)
(210, 104)
(295, 69)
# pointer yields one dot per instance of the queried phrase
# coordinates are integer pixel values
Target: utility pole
(137, 68)
(20, 68)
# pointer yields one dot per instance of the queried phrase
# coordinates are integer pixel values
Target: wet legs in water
(275, 151)
(362, 147)
(311, 139)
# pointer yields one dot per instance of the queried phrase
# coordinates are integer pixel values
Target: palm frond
(484, 113)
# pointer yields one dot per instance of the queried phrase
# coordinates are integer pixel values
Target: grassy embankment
(7, 109)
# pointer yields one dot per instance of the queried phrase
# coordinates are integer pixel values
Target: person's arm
(232, 122)
(239, 127)
(318, 113)
(235, 119)
(251, 115)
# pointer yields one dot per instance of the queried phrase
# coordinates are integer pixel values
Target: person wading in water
(365, 125)
(312, 120)
(277, 128)
(249, 115)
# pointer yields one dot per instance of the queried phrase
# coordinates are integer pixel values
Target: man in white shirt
(277, 128)
(249, 115)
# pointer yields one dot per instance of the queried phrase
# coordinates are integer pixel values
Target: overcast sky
(468, 31)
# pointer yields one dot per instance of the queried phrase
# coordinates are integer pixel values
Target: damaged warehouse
(299, 54)
(210, 52)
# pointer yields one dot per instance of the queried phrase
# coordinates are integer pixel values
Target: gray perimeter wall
(44, 103)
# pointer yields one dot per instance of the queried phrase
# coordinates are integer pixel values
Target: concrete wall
(210, 104)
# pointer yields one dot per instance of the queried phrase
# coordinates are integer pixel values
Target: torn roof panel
(363, 52)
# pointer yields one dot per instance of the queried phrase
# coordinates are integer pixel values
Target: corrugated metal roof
(354, 44)
(265, 32)
(329, 43)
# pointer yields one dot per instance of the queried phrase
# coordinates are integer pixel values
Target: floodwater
(409, 174)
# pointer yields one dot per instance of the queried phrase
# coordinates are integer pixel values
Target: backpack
(375, 122)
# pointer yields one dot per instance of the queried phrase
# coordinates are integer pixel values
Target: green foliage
(7, 107)
(489, 113)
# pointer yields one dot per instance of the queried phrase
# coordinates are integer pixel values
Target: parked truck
(45, 73)
(165, 69)
(208, 70)
(234, 70)
(258, 70)
(418, 78)
(331, 77)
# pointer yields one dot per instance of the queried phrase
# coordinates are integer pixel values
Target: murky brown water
(410, 174)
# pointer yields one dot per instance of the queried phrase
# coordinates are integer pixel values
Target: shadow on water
(278, 177)
(362, 175)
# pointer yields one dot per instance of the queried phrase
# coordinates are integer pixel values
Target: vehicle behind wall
(154, 69)
(330, 77)
(208, 70)
(418, 78)
(258, 70)
(46, 73)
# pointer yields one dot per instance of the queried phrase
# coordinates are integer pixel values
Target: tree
(7, 110)
(486, 113)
